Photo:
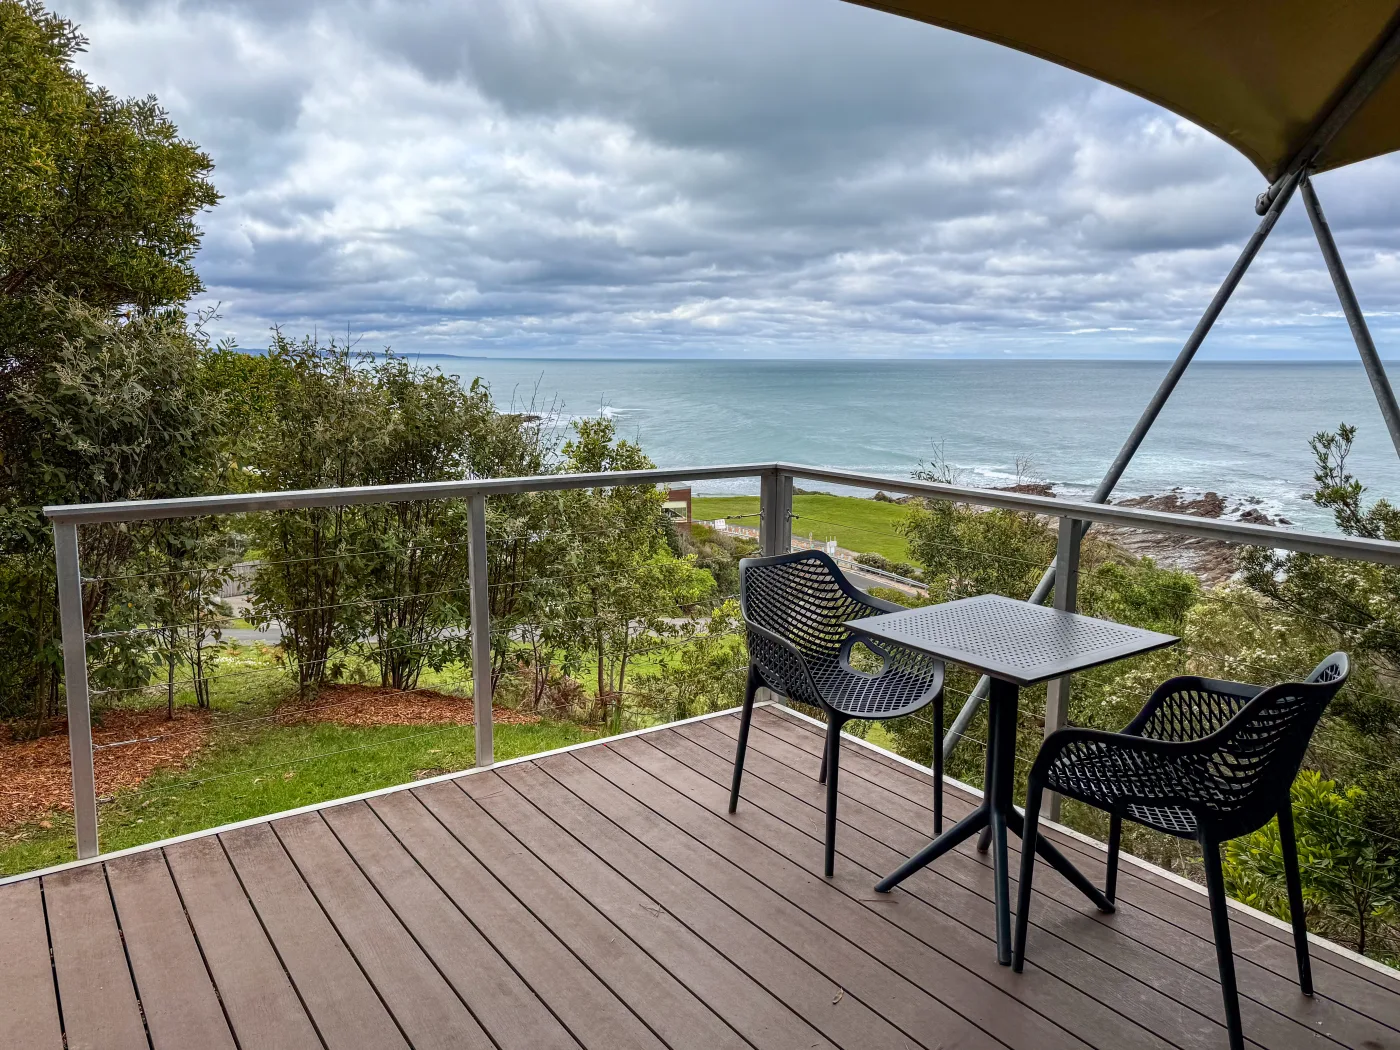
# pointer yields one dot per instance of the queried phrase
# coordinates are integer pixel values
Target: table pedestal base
(998, 815)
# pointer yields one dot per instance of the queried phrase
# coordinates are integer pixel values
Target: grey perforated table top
(1014, 641)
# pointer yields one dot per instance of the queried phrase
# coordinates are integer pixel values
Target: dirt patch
(365, 705)
(35, 777)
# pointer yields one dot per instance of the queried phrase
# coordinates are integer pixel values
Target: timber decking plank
(1187, 976)
(845, 992)
(425, 1006)
(177, 996)
(986, 998)
(969, 945)
(503, 1004)
(590, 1010)
(337, 995)
(1254, 940)
(764, 1021)
(1153, 996)
(100, 1010)
(28, 1009)
(1177, 963)
(603, 899)
(261, 1004)
(669, 1009)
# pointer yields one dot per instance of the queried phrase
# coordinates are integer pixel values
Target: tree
(416, 571)
(327, 427)
(627, 585)
(97, 194)
(100, 392)
(115, 410)
(705, 674)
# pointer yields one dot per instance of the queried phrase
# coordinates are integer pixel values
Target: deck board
(429, 1012)
(338, 996)
(502, 1003)
(262, 1006)
(1264, 954)
(181, 1009)
(604, 899)
(102, 1012)
(29, 1019)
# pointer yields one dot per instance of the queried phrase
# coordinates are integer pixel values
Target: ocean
(1237, 429)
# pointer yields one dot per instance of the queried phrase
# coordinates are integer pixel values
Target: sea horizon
(1237, 428)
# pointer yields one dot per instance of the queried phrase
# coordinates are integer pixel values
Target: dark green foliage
(97, 194)
(1351, 878)
(103, 410)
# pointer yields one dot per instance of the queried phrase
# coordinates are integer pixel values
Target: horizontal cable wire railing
(492, 654)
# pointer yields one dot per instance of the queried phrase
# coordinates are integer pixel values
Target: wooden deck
(602, 898)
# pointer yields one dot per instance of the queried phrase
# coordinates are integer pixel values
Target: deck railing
(775, 533)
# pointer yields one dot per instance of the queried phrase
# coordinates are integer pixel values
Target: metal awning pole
(1144, 423)
(1360, 332)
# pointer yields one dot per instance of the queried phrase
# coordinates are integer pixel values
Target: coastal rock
(1211, 561)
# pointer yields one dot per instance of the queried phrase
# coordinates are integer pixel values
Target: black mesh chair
(794, 605)
(1204, 760)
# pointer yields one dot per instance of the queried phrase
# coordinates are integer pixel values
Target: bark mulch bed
(35, 778)
(366, 706)
(34, 774)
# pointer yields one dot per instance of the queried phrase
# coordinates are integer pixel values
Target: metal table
(1016, 644)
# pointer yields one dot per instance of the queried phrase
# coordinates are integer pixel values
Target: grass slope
(855, 523)
(241, 775)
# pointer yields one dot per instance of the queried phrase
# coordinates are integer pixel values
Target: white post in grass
(480, 594)
(75, 687)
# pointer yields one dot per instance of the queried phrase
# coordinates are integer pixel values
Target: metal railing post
(774, 530)
(775, 510)
(75, 686)
(1067, 546)
(479, 586)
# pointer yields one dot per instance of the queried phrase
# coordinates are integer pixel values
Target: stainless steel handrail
(775, 532)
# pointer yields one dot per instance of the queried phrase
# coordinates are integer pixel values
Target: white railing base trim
(317, 806)
(1079, 836)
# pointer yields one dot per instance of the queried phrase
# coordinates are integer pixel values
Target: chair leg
(1115, 836)
(1224, 954)
(1029, 832)
(1289, 844)
(938, 765)
(744, 720)
(833, 752)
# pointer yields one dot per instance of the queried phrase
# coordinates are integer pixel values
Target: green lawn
(855, 523)
(242, 775)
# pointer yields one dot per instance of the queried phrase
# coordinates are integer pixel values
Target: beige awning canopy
(1264, 75)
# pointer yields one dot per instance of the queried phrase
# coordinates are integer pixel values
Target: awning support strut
(1144, 424)
(1365, 345)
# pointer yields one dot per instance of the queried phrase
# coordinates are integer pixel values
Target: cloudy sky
(713, 177)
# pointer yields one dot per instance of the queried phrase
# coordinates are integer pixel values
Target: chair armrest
(1190, 708)
(1145, 752)
(788, 650)
(880, 605)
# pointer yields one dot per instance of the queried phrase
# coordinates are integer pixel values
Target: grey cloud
(710, 176)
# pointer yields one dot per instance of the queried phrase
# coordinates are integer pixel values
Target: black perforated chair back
(1257, 753)
(804, 599)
